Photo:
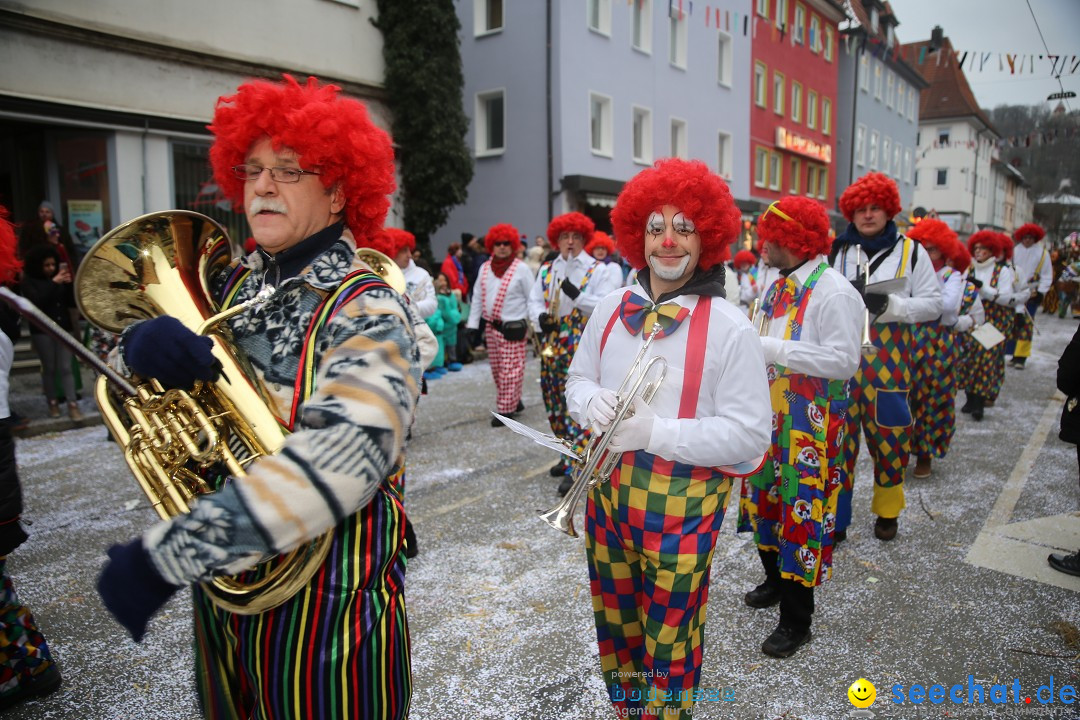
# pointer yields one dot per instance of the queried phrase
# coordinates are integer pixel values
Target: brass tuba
(161, 264)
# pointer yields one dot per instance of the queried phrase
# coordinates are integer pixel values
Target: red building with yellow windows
(793, 74)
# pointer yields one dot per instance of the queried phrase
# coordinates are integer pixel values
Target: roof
(949, 95)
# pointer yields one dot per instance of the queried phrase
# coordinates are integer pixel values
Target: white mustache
(260, 204)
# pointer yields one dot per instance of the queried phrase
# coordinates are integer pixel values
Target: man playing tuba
(306, 163)
(651, 530)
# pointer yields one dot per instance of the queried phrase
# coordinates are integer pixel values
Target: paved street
(499, 604)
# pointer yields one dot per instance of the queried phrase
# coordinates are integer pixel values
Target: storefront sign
(803, 146)
(85, 220)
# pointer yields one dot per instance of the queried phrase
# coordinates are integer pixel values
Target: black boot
(977, 410)
(411, 548)
(969, 405)
(767, 593)
(558, 469)
(793, 631)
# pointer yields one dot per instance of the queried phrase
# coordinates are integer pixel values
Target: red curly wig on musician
(380, 241)
(871, 189)
(806, 234)
(10, 265)
(934, 233)
(570, 222)
(1029, 229)
(688, 185)
(600, 239)
(744, 257)
(331, 134)
(987, 238)
(400, 239)
(960, 259)
(503, 232)
(1007, 245)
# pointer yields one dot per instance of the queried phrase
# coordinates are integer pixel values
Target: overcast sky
(1002, 26)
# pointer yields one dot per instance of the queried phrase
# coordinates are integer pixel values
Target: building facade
(569, 99)
(878, 118)
(793, 76)
(104, 105)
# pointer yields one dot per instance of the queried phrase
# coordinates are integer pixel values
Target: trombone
(868, 348)
(551, 342)
(597, 463)
(759, 319)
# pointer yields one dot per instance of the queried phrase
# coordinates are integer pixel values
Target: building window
(599, 16)
(943, 136)
(798, 26)
(491, 123)
(873, 149)
(488, 16)
(760, 72)
(817, 181)
(778, 91)
(678, 138)
(826, 116)
(723, 154)
(890, 80)
(796, 101)
(811, 180)
(775, 171)
(896, 161)
(723, 60)
(641, 26)
(763, 8)
(815, 34)
(886, 147)
(915, 182)
(793, 179)
(781, 13)
(864, 72)
(907, 166)
(822, 183)
(860, 145)
(911, 104)
(642, 132)
(828, 43)
(678, 26)
(942, 179)
(600, 124)
(811, 110)
(877, 78)
(761, 167)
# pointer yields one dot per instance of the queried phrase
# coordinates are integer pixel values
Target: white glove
(771, 347)
(986, 292)
(601, 409)
(634, 432)
(964, 323)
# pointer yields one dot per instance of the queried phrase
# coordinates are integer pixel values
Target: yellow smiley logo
(862, 693)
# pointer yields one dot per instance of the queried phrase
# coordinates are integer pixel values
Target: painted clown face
(806, 558)
(808, 456)
(802, 510)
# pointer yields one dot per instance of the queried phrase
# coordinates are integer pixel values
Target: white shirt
(574, 268)
(734, 416)
(748, 290)
(1027, 261)
(515, 304)
(919, 302)
(952, 295)
(975, 315)
(421, 290)
(830, 344)
(1002, 293)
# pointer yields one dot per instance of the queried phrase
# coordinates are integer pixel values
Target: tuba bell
(181, 444)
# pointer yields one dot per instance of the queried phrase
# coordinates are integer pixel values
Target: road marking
(1020, 548)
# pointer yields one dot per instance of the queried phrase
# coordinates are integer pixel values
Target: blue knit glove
(131, 587)
(163, 348)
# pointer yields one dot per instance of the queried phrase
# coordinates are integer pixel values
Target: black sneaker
(784, 641)
(38, 685)
(1069, 564)
(520, 406)
(885, 528)
(557, 470)
(763, 596)
(565, 485)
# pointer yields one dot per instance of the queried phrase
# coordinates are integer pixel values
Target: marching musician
(878, 394)
(651, 530)
(560, 304)
(990, 272)
(1034, 275)
(811, 336)
(418, 284)
(501, 297)
(306, 162)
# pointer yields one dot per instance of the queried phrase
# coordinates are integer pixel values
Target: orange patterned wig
(503, 232)
(871, 189)
(804, 231)
(688, 185)
(570, 222)
(329, 133)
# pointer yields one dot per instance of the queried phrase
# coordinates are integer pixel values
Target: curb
(55, 425)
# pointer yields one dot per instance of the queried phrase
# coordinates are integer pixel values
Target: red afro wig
(871, 188)
(960, 259)
(688, 185)
(745, 257)
(934, 233)
(380, 241)
(987, 238)
(600, 239)
(1007, 246)
(400, 239)
(806, 234)
(10, 265)
(1029, 229)
(330, 133)
(570, 222)
(503, 232)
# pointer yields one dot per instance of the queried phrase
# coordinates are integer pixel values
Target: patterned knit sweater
(348, 435)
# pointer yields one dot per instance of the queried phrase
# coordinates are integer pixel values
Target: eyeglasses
(779, 213)
(681, 224)
(501, 243)
(278, 174)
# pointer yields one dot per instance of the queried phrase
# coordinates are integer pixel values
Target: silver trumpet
(597, 463)
(868, 347)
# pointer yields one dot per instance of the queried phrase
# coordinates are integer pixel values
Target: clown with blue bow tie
(651, 530)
